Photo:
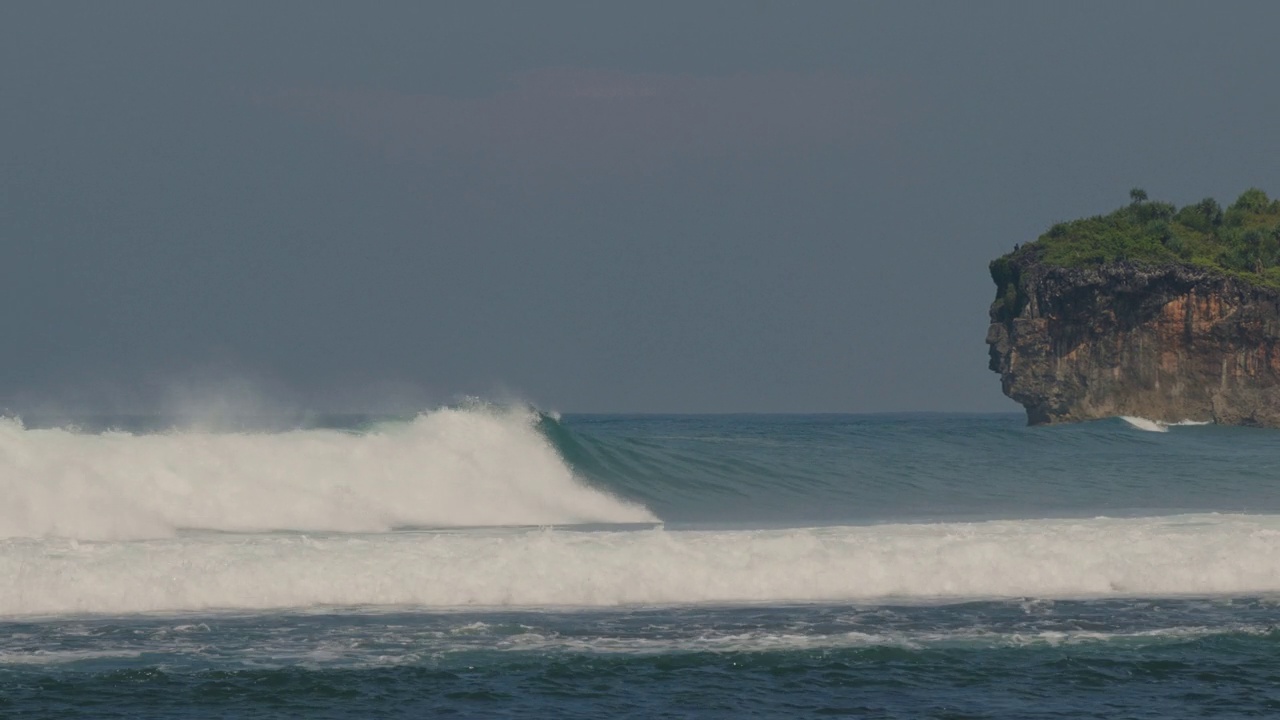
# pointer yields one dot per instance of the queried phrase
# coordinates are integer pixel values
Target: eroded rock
(1167, 343)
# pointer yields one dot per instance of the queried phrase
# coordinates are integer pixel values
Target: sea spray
(475, 466)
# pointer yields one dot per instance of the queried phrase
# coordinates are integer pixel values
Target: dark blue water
(753, 566)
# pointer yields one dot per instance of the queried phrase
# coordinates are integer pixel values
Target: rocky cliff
(1169, 343)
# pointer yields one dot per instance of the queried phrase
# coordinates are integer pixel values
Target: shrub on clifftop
(1243, 240)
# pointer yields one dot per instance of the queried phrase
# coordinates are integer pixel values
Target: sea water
(481, 561)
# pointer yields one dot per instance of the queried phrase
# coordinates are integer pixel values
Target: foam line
(349, 646)
(1189, 554)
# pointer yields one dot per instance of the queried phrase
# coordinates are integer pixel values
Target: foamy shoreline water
(1103, 557)
(893, 566)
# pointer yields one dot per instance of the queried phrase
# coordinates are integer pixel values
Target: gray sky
(667, 207)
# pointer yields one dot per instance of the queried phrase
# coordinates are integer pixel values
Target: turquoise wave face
(762, 470)
(486, 466)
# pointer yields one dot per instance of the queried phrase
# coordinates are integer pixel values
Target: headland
(1154, 311)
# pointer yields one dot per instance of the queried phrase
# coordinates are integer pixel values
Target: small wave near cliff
(1145, 424)
(1142, 423)
(451, 467)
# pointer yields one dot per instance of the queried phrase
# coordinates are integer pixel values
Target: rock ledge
(1167, 343)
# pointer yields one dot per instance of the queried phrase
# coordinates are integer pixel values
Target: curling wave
(451, 467)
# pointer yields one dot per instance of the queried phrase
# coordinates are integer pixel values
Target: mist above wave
(449, 467)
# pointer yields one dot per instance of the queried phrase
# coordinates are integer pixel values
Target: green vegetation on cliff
(1242, 241)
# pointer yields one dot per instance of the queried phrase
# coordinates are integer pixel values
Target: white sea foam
(1189, 554)
(60, 657)
(446, 468)
(1145, 424)
(357, 646)
(711, 640)
(1142, 423)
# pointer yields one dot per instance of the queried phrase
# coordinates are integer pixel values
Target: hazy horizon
(669, 208)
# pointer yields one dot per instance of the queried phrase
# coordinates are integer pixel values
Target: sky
(591, 207)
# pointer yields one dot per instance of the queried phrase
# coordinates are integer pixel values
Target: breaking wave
(1142, 423)
(489, 507)
(1145, 424)
(446, 468)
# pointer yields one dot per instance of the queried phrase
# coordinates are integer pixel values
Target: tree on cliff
(1252, 200)
(1243, 240)
(1150, 310)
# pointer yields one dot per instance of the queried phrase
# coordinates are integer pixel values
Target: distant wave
(451, 467)
(1142, 423)
(1150, 557)
(1145, 424)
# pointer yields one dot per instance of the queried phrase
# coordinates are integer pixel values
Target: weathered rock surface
(1171, 343)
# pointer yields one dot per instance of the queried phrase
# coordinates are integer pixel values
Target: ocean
(482, 561)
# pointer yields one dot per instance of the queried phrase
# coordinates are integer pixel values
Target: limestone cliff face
(1172, 343)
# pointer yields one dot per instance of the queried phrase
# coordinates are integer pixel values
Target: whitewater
(447, 468)
(483, 560)
(1196, 554)
(465, 507)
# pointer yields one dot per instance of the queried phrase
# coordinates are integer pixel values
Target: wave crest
(446, 468)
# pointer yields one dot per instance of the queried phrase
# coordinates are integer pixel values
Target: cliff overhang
(1168, 342)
